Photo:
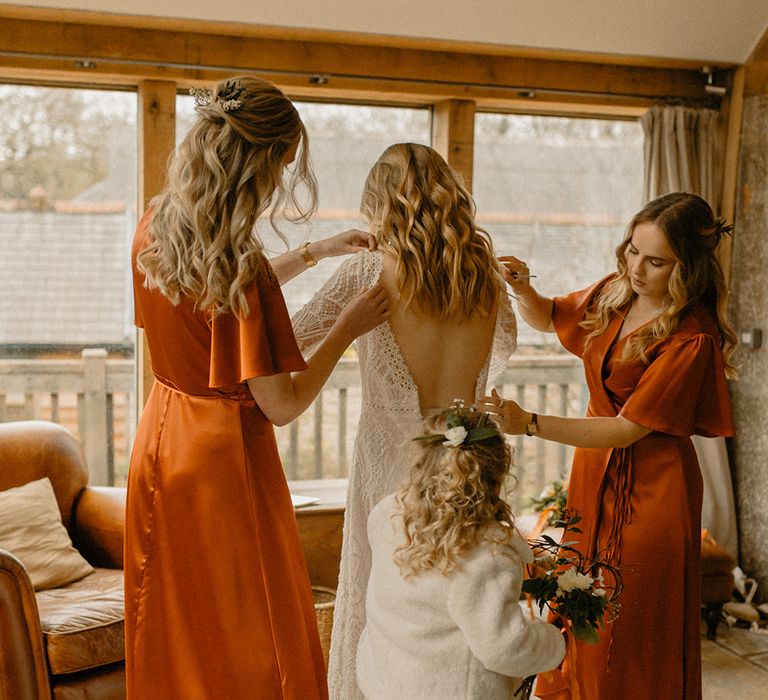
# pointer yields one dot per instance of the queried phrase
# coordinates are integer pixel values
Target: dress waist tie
(622, 466)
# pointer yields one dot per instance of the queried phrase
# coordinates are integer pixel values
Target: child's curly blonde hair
(453, 494)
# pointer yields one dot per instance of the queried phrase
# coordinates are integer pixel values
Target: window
(344, 143)
(67, 214)
(558, 193)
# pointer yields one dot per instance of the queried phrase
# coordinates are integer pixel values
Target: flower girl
(443, 613)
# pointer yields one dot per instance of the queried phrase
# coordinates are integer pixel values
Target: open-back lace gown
(390, 417)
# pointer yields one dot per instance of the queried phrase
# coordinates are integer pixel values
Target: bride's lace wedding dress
(389, 418)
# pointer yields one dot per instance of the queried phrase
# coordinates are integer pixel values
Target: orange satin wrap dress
(217, 596)
(643, 504)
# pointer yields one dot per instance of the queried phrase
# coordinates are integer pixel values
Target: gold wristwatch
(532, 426)
(308, 259)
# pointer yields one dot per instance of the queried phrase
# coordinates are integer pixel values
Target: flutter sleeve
(257, 345)
(312, 322)
(483, 600)
(684, 391)
(568, 312)
(140, 239)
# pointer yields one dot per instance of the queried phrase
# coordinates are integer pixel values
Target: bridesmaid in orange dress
(217, 596)
(657, 349)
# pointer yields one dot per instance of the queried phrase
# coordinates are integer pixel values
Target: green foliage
(554, 497)
(571, 586)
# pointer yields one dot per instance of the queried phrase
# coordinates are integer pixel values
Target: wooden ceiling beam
(93, 53)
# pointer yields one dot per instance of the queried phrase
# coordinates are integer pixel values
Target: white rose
(572, 580)
(455, 436)
(547, 492)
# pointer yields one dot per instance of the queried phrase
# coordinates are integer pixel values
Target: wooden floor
(735, 666)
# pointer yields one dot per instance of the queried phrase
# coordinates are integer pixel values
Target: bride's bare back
(443, 356)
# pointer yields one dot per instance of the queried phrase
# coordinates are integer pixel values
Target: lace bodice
(390, 417)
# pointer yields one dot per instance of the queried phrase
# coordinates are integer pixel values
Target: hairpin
(722, 229)
(202, 96)
(228, 95)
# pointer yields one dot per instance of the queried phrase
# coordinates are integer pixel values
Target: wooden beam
(735, 108)
(391, 92)
(157, 139)
(453, 135)
(757, 69)
(225, 28)
(92, 52)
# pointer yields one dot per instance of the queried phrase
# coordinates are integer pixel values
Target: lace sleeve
(312, 322)
(504, 339)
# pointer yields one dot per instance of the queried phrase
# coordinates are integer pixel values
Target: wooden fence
(94, 397)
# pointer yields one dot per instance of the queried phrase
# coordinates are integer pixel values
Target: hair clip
(228, 95)
(202, 96)
(722, 229)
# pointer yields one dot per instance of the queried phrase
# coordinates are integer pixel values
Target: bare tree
(56, 139)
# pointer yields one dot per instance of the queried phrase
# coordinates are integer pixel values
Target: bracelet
(308, 259)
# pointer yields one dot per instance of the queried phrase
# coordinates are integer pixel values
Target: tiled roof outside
(560, 206)
(65, 278)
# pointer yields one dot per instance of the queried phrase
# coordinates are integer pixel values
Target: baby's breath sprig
(202, 96)
(229, 96)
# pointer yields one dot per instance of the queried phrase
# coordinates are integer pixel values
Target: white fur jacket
(462, 636)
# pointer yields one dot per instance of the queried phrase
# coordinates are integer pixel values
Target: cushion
(31, 528)
(83, 622)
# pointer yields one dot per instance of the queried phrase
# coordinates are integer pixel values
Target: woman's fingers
(492, 404)
(365, 311)
(352, 240)
(512, 418)
(357, 239)
(515, 268)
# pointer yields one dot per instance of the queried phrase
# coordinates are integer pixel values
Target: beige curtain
(683, 154)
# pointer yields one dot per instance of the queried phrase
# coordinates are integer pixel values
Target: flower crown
(228, 96)
(463, 427)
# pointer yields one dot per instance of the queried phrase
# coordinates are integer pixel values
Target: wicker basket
(325, 600)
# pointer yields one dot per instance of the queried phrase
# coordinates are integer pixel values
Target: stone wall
(749, 287)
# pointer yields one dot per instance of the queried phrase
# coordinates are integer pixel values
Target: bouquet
(581, 593)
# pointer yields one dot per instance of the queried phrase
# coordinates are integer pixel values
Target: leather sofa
(67, 642)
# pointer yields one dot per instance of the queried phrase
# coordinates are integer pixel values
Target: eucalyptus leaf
(477, 434)
(586, 634)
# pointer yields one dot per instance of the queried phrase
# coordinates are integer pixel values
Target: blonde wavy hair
(452, 497)
(418, 209)
(693, 233)
(225, 174)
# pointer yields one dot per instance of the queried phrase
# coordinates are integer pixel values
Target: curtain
(683, 153)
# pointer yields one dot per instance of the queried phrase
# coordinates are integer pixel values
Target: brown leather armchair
(67, 642)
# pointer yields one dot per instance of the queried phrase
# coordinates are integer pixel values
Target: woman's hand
(351, 241)
(535, 309)
(364, 312)
(512, 419)
(516, 274)
(288, 265)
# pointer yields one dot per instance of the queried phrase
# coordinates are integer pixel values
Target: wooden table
(320, 528)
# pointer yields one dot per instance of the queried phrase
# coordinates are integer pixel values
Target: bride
(451, 332)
